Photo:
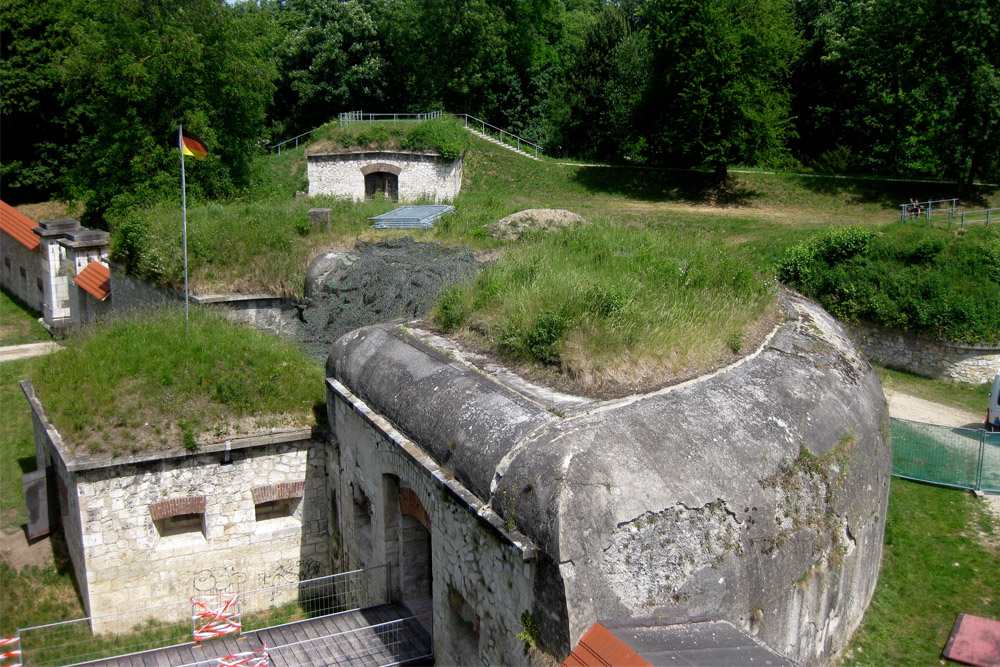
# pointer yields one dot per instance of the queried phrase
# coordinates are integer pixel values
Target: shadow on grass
(27, 464)
(662, 184)
(889, 192)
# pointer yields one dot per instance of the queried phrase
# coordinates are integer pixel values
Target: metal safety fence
(397, 642)
(965, 458)
(133, 631)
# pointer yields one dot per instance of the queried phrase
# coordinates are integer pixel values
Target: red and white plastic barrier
(222, 618)
(248, 659)
(9, 649)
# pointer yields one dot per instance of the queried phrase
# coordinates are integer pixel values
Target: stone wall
(481, 575)
(146, 530)
(942, 360)
(421, 175)
(262, 311)
(21, 272)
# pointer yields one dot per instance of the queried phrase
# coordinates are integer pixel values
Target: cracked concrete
(768, 480)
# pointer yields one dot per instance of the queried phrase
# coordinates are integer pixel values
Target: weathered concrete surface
(377, 282)
(755, 495)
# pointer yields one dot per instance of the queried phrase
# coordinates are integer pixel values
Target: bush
(927, 281)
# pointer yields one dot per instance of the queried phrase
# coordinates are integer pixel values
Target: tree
(136, 69)
(720, 92)
(36, 136)
(330, 60)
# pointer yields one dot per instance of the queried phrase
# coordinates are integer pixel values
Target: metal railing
(137, 630)
(986, 215)
(965, 458)
(927, 210)
(506, 137)
(347, 117)
(471, 122)
(391, 643)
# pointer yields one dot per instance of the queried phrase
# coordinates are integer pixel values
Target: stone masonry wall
(21, 271)
(956, 362)
(262, 311)
(126, 552)
(131, 561)
(421, 175)
(481, 581)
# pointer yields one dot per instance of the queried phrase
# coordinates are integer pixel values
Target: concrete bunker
(755, 495)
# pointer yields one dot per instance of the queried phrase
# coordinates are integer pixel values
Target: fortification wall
(942, 360)
(148, 530)
(421, 175)
(21, 272)
(481, 576)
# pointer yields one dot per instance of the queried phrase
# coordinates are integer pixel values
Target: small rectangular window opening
(276, 509)
(181, 524)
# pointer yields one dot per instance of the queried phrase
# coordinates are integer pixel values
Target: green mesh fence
(963, 457)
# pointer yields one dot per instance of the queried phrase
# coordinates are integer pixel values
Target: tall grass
(143, 382)
(612, 304)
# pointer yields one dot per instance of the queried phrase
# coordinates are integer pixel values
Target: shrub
(927, 281)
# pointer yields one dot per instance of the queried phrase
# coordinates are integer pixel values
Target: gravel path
(905, 406)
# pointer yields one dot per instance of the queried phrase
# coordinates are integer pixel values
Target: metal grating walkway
(411, 217)
(374, 637)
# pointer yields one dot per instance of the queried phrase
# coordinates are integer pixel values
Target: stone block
(321, 218)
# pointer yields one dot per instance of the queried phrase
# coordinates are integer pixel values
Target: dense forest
(92, 91)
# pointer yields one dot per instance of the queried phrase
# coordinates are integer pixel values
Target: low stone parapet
(941, 360)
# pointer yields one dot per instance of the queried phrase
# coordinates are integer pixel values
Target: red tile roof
(95, 279)
(19, 226)
(599, 648)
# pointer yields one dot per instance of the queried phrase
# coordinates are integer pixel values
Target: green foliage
(529, 631)
(928, 281)
(836, 160)
(720, 92)
(330, 60)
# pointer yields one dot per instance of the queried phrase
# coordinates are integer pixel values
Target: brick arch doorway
(381, 177)
(408, 546)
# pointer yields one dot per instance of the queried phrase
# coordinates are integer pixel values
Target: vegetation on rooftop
(933, 282)
(609, 305)
(443, 135)
(142, 382)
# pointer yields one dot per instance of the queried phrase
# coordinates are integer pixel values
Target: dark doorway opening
(384, 182)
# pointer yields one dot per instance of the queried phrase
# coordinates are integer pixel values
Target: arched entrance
(416, 580)
(381, 177)
(384, 182)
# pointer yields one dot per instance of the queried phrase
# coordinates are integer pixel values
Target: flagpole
(180, 145)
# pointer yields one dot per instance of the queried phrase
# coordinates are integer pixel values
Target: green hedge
(931, 282)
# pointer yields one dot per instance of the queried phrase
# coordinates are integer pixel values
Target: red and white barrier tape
(15, 653)
(248, 659)
(216, 622)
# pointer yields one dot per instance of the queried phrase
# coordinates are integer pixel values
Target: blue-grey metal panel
(411, 217)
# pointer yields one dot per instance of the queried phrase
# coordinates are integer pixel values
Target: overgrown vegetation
(932, 282)
(443, 135)
(144, 382)
(941, 556)
(612, 304)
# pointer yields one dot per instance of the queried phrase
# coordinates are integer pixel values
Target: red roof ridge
(19, 226)
(95, 279)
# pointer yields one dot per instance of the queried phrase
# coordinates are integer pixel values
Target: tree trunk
(721, 173)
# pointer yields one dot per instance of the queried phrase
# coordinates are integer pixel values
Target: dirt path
(905, 406)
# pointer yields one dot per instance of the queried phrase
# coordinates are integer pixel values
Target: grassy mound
(142, 383)
(931, 282)
(613, 307)
(444, 135)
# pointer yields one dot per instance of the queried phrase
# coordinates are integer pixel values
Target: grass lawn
(18, 325)
(17, 446)
(941, 558)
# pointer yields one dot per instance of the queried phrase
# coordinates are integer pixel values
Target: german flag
(193, 146)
